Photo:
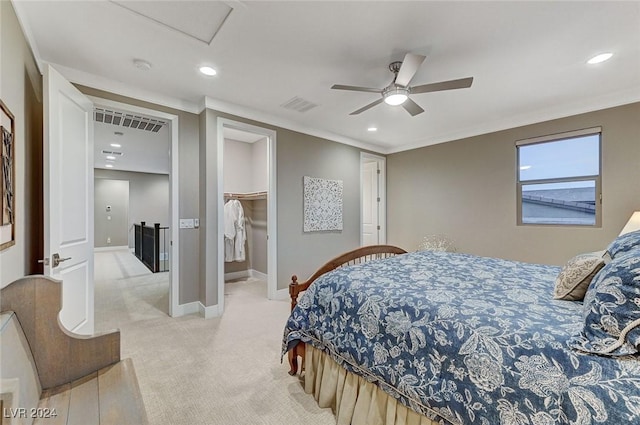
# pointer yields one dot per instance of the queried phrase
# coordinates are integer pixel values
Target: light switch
(186, 223)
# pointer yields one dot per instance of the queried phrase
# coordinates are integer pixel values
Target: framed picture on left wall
(7, 178)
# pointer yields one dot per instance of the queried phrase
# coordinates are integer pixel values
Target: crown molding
(266, 118)
(610, 100)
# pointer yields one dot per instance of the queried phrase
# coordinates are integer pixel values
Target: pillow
(576, 275)
(624, 243)
(611, 310)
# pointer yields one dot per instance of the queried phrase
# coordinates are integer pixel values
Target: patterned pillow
(576, 275)
(624, 243)
(611, 309)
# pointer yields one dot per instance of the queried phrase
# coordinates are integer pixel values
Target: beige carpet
(194, 371)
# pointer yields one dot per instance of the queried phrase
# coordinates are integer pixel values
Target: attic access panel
(196, 19)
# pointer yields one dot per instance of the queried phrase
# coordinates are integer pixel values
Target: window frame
(597, 179)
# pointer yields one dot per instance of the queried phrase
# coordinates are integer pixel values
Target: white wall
(111, 227)
(148, 197)
(237, 166)
(260, 166)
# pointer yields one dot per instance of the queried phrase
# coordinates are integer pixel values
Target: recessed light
(207, 70)
(109, 165)
(525, 167)
(118, 133)
(372, 129)
(116, 145)
(111, 157)
(599, 58)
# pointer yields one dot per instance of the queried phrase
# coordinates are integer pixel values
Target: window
(559, 179)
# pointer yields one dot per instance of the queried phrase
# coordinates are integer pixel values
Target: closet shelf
(249, 196)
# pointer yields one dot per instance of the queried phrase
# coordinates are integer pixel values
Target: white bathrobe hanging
(234, 231)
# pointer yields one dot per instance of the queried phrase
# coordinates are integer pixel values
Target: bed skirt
(354, 400)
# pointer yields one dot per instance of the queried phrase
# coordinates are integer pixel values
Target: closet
(246, 183)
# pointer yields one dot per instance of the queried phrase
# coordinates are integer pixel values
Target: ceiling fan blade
(412, 107)
(462, 83)
(369, 106)
(355, 88)
(409, 67)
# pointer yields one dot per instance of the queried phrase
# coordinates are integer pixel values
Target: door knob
(56, 260)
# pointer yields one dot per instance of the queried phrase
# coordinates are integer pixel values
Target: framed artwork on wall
(7, 178)
(322, 205)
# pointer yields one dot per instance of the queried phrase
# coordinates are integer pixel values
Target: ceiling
(528, 60)
(139, 150)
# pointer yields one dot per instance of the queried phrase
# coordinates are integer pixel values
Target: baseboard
(236, 275)
(188, 308)
(196, 307)
(282, 294)
(258, 275)
(110, 248)
(243, 274)
(210, 312)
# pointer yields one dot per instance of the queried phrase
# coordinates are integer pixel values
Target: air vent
(127, 120)
(298, 104)
(114, 153)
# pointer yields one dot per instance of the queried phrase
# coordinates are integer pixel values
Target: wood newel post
(293, 291)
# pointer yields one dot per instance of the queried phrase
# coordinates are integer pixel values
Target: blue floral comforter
(466, 340)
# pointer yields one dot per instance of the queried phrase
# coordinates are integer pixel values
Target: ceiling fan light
(395, 99)
(395, 95)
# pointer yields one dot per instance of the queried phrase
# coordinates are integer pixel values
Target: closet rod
(249, 196)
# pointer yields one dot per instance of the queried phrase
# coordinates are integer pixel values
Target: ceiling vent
(298, 104)
(122, 119)
(114, 153)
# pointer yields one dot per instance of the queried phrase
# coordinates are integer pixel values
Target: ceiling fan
(397, 93)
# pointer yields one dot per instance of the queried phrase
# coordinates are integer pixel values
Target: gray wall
(148, 198)
(298, 155)
(189, 189)
(466, 190)
(21, 91)
(111, 227)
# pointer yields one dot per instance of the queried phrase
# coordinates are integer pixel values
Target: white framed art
(322, 204)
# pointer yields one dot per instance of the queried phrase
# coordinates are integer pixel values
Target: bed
(447, 338)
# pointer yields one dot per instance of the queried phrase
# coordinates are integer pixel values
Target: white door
(370, 204)
(68, 198)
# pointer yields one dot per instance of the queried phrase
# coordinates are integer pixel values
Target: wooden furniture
(82, 378)
(356, 256)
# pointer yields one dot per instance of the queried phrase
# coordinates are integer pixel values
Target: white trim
(242, 274)
(188, 308)
(209, 312)
(272, 231)
(272, 120)
(258, 275)
(116, 87)
(28, 34)
(196, 307)
(281, 294)
(559, 136)
(109, 248)
(382, 193)
(174, 195)
(610, 100)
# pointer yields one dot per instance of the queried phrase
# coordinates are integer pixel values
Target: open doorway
(247, 207)
(135, 189)
(372, 200)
